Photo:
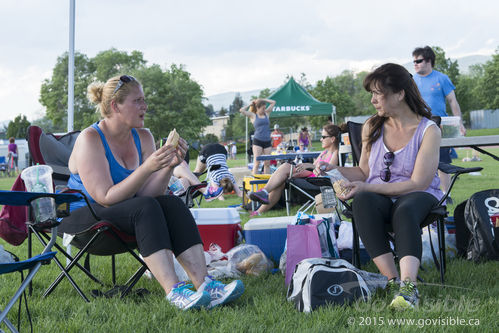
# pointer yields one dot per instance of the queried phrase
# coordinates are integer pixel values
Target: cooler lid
(215, 215)
(279, 222)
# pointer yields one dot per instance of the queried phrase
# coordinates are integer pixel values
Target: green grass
(471, 292)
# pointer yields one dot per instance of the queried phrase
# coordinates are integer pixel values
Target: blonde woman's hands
(167, 156)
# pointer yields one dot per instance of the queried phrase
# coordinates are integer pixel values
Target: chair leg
(355, 246)
(441, 247)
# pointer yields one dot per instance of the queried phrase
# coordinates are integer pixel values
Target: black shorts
(263, 144)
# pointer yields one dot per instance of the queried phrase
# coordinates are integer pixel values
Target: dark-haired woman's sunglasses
(386, 174)
(123, 79)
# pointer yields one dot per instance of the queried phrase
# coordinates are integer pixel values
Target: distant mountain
(225, 99)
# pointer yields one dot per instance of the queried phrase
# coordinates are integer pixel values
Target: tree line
(476, 90)
(175, 100)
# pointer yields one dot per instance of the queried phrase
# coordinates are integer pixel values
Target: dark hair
(304, 129)
(12, 139)
(426, 52)
(335, 131)
(393, 78)
(227, 185)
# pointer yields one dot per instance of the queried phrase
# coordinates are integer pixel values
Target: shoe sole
(399, 303)
(255, 197)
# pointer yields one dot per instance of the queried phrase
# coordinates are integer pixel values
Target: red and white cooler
(221, 226)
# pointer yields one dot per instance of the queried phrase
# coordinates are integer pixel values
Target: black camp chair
(101, 239)
(437, 214)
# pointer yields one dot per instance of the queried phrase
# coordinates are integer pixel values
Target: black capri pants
(157, 223)
(375, 215)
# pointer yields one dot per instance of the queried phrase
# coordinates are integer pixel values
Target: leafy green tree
(488, 88)
(54, 92)
(328, 91)
(18, 127)
(467, 90)
(174, 101)
(223, 112)
(236, 126)
(209, 110)
(112, 62)
(446, 65)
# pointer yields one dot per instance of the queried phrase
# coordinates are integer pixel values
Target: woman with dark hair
(269, 195)
(258, 113)
(396, 183)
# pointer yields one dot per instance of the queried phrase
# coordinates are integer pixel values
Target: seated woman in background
(116, 164)
(396, 183)
(269, 195)
(213, 157)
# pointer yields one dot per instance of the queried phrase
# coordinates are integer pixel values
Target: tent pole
(246, 145)
(71, 65)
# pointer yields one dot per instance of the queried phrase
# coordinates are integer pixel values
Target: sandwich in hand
(173, 138)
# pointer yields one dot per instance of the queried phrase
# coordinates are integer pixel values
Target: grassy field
(468, 302)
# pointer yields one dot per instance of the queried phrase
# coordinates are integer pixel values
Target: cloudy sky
(230, 45)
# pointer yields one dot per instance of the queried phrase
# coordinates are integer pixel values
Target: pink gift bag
(302, 243)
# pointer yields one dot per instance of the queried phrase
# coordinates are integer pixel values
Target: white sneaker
(220, 293)
(184, 298)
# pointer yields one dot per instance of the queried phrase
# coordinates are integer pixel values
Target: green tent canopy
(293, 100)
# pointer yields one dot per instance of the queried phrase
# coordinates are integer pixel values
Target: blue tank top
(118, 172)
(262, 129)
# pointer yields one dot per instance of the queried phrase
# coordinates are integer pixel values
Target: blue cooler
(269, 234)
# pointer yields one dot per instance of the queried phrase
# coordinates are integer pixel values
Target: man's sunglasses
(418, 61)
(123, 79)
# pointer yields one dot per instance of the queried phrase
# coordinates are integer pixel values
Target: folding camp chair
(437, 214)
(102, 238)
(4, 169)
(14, 198)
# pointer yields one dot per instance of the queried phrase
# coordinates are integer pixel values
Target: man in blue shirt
(436, 88)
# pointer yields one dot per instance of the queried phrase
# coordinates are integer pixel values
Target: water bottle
(176, 185)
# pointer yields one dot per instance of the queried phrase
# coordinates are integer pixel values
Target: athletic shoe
(392, 286)
(184, 298)
(407, 297)
(212, 193)
(221, 293)
(260, 196)
(254, 213)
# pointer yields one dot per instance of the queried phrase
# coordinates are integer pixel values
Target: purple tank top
(403, 164)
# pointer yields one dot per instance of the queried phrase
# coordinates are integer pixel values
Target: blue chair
(15, 198)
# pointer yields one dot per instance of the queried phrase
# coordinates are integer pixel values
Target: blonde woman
(116, 164)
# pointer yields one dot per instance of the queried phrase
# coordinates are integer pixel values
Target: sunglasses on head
(418, 61)
(123, 79)
(386, 174)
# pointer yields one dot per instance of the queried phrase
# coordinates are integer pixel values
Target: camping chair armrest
(92, 211)
(455, 171)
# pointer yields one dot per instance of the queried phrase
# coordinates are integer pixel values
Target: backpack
(320, 281)
(13, 219)
(481, 209)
